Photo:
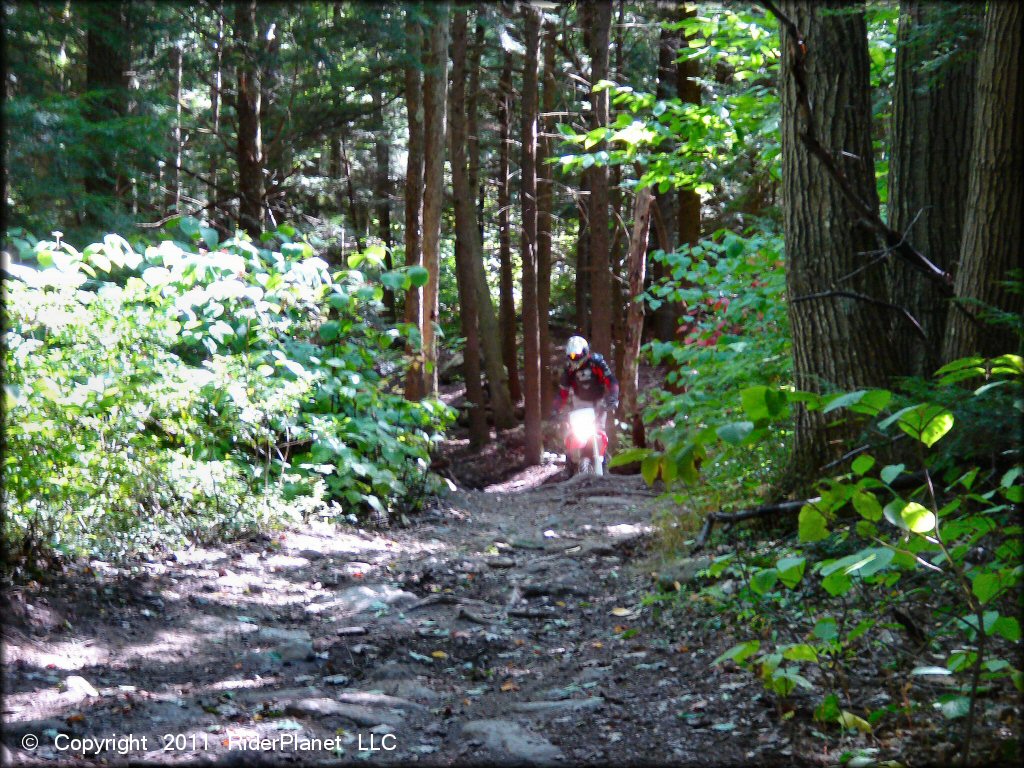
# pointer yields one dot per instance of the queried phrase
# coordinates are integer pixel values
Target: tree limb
(861, 297)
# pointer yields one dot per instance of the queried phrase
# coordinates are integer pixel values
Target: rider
(588, 376)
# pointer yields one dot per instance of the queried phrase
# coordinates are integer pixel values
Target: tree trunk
(382, 192)
(688, 91)
(490, 336)
(359, 228)
(838, 343)
(250, 140)
(582, 287)
(465, 234)
(212, 194)
(933, 119)
(599, 254)
(636, 267)
(506, 303)
(545, 220)
(414, 201)
(995, 200)
(435, 85)
(105, 67)
(173, 176)
(528, 200)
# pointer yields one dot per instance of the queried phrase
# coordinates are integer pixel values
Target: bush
(177, 392)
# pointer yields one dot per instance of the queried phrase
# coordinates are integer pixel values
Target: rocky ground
(503, 625)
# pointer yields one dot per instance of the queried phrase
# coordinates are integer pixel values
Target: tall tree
(465, 233)
(490, 336)
(173, 175)
(506, 298)
(105, 66)
(435, 87)
(838, 341)
(995, 201)
(636, 267)
(247, 107)
(528, 201)
(933, 119)
(216, 86)
(382, 190)
(599, 253)
(545, 218)
(414, 196)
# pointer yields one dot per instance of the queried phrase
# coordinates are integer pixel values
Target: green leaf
(1007, 627)
(985, 586)
(396, 281)
(891, 472)
(628, 456)
(828, 711)
(867, 505)
(791, 570)
(649, 468)
(190, 226)
(735, 432)
(812, 524)
(799, 652)
(927, 423)
(740, 652)
(826, 629)
(954, 707)
(330, 330)
(209, 236)
(917, 518)
(418, 276)
(764, 580)
(837, 583)
(862, 464)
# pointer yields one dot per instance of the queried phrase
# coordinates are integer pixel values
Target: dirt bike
(585, 442)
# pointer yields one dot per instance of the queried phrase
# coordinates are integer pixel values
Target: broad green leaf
(985, 586)
(791, 570)
(812, 525)
(735, 432)
(418, 276)
(739, 652)
(891, 472)
(826, 629)
(927, 423)
(628, 456)
(209, 236)
(799, 652)
(862, 464)
(330, 330)
(867, 506)
(954, 707)
(649, 468)
(837, 583)
(917, 518)
(764, 580)
(828, 710)
(851, 721)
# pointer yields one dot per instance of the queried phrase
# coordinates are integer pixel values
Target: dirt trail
(501, 626)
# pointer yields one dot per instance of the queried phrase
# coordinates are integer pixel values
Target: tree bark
(933, 121)
(506, 303)
(599, 254)
(528, 200)
(435, 85)
(636, 267)
(544, 219)
(465, 234)
(995, 201)
(838, 343)
(490, 336)
(215, 104)
(173, 176)
(250, 139)
(414, 203)
(582, 288)
(382, 192)
(105, 68)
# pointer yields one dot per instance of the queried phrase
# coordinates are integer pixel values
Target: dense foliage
(194, 389)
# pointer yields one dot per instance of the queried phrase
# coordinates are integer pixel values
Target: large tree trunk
(582, 288)
(544, 219)
(414, 200)
(528, 200)
(636, 267)
(933, 119)
(212, 193)
(838, 343)
(995, 200)
(105, 67)
(435, 86)
(382, 192)
(600, 258)
(173, 176)
(250, 139)
(506, 299)
(490, 335)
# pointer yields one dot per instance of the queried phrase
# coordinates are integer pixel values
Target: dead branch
(861, 297)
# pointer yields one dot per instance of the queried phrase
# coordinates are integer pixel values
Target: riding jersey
(592, 381)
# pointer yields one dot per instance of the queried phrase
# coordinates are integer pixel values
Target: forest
(287, 289)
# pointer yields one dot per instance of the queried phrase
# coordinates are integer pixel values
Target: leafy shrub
(176, 391)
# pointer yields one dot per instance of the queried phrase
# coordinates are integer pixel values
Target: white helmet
(576, 351)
